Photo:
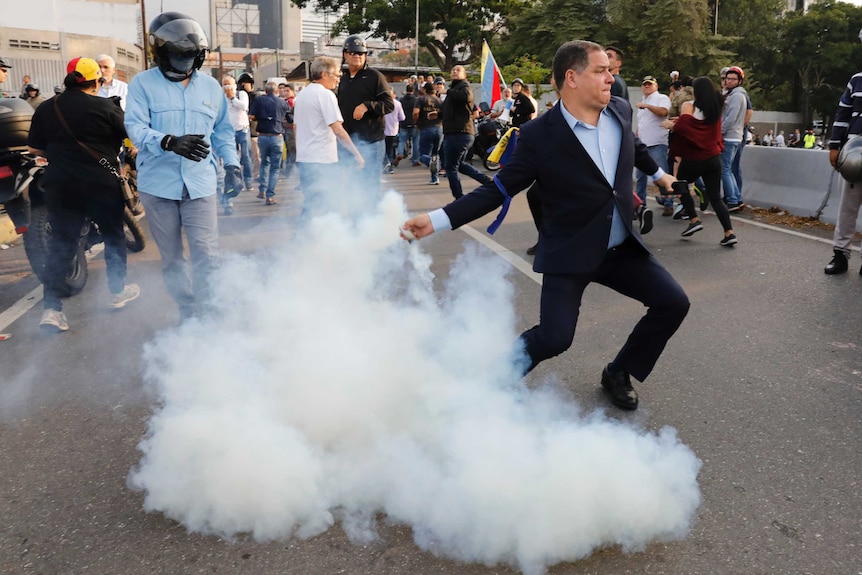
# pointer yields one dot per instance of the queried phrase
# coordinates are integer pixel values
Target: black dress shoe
(619, 386)
(838, 265)
(531, 251)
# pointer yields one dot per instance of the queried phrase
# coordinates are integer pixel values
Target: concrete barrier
(796, 180)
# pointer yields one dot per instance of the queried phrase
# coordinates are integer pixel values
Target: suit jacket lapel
(569, 142)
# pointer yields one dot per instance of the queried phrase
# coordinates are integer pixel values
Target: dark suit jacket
(576, 199)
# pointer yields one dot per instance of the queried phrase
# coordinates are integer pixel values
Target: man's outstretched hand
(420, 226)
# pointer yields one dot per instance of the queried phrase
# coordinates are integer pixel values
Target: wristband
(167, 142)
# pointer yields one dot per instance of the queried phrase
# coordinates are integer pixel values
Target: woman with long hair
(697, 141)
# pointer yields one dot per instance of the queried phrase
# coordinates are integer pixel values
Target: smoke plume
(336, 386)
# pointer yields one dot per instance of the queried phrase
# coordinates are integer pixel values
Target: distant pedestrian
(269, 111)
(392, 121)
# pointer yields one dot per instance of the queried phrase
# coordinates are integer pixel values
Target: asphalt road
(763, 382)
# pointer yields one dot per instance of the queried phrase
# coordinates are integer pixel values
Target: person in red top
(697, 141)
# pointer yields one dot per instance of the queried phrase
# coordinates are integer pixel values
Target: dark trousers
(710, 171)
(629, 270)
(69, 206)
(391, 148)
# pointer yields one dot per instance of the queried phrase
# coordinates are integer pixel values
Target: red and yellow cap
(86, 69)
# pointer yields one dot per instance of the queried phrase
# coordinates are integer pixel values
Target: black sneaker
(729, 241)
(692, 229)
(678, 212)
(735, 207)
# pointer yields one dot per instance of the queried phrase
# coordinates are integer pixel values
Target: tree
(658, 36)
(451, 30)
(822, 47)
(539, 28)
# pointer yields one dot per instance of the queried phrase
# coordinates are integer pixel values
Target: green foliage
(451, 30)
(530, 70)
(793, 61)
(539, 28)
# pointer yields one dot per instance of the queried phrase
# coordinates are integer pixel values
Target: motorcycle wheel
(135, 240)
(36, 247)
(490, 166)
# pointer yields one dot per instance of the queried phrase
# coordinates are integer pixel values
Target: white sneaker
(54, 321)
(129, 293)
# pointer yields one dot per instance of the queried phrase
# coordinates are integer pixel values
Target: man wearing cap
(522, 107)
(78, 186)
(733, 115)
(4, 72)
(652, 111)
(364, 99)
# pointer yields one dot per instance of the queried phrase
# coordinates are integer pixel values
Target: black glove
(232, 182)
(191, 146)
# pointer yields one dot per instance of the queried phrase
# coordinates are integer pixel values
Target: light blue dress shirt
(156, 107)
(602, 142)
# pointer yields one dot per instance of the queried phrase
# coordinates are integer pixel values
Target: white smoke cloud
(335, 387)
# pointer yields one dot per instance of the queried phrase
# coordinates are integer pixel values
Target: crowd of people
(199, 142)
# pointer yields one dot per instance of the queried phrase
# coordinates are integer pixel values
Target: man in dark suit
(581, 153)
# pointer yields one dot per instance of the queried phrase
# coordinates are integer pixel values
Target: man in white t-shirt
(318, 130)
(237, 109)
(652, 111)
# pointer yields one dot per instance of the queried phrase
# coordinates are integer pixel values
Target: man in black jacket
(458, 132)
(408, 130)
(364, 99)
(581, 154)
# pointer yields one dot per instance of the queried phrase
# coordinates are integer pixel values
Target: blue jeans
(319, 188)
(455, 147)
(243, 144)
(659, 154)
(429, 144)
(411, 134)
(270, 159)
(365, 183)
(732, 195)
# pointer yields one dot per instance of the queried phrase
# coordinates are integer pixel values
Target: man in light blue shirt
(174, 115)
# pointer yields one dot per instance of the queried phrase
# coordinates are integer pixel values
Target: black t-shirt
(95, 121)
(522, 109)
(428, 104)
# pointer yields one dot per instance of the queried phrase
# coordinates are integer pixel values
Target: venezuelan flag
(491, 76)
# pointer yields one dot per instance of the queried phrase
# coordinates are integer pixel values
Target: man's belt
(259, 133)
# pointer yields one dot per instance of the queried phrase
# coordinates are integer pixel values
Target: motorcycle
(22, 197)
(488, 133)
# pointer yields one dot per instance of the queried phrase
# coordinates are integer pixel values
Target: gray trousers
(848, 213)
(189, 286)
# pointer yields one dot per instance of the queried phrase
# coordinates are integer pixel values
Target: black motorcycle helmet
(178, 45)
(355, 43)
(245, 78)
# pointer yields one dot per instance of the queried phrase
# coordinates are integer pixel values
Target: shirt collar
(574, 122)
